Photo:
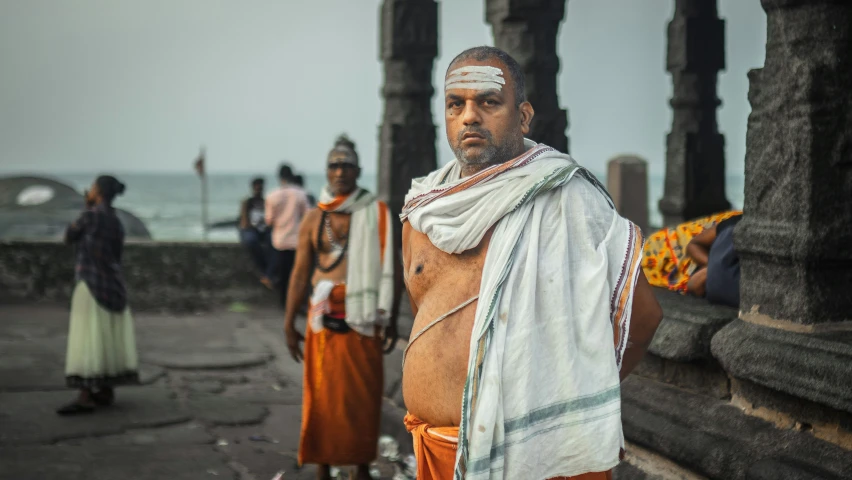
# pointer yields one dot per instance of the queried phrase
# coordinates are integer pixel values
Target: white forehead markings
(475, 77)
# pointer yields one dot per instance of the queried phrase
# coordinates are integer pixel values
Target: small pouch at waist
(337, 325)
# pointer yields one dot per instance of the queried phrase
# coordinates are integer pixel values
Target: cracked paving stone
(207, 360)
(283, 425)
(30, 417)
(219, 410)
(191, 433)
(226, 377)
(20, 373)
(206, 387)
(266, 393)
(114, 462)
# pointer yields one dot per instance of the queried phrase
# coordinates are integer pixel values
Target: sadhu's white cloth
(542, 397)
(319, 304)
(369, 274)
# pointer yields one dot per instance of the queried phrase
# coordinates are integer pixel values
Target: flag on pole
(199, 164)
(200, 169)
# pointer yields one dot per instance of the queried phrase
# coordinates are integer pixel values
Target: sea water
(170, 204)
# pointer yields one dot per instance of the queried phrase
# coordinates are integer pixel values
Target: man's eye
(454, 104)
(490, 103)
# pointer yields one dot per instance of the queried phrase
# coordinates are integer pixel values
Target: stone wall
(159, 276)
(727, 399)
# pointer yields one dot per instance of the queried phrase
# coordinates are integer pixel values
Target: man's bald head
(483, 53)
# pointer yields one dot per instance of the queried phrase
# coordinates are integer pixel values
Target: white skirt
(101, 344)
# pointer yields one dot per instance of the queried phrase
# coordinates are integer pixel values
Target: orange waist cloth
(342, 397)
(337, 301)
(435, 450)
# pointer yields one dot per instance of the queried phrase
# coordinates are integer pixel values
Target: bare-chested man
(529, 301)
(354, 306)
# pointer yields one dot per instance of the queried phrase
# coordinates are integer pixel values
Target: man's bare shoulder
(312, 217)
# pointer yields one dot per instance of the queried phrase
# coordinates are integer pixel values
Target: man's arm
(270, 206)
(699, 247)
(299, 280)
(392, 331)
(77, 228)
(644, 319)
(244, 220)
(406, 258)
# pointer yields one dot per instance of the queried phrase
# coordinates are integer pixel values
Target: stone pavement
(221, 399)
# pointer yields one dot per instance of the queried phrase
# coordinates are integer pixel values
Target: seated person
(717, 276)
(665, 260)
(254, 233)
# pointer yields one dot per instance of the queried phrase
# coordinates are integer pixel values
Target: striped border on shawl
(623, 291)
(481, 177)
(471, 388)
(602, 399)
(340, 200)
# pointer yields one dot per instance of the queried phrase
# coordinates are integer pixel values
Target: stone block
(106, 462)
(527, 30)
(409, 45)
(793, 242)
(220, 410)
(717, 440)
(409, 28)
(159, 276)
(695, 161)
(815, 367)
(688, 326)
(207, 360)
(29, 418)
(704, 377)
(627, 183)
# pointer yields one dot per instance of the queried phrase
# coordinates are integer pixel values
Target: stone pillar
(795, 241)
(527, 30)
(695, 157)
(627, 183)
(409, 45)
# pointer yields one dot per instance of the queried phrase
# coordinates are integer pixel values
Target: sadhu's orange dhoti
(342, 398)
(435, 450)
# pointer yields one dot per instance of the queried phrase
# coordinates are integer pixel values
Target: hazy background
(138, 86)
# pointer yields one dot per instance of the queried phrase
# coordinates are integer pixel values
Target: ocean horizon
(170, 203)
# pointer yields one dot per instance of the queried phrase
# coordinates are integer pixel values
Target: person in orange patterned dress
(665, 260)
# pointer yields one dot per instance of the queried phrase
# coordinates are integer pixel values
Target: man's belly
(436, 364)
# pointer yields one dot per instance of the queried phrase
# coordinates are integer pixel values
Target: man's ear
(527, 114)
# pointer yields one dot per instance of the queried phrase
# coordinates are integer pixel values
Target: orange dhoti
(435, 450)
(342, 398)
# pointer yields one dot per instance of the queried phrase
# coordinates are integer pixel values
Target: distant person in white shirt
(285, 208)
(254, 233)
(300, 181)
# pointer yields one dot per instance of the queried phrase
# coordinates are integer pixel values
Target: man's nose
(471, 115)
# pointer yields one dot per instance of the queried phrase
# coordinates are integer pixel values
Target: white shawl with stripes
(542, 396)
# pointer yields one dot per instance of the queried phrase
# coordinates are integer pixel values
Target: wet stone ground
(220, 399)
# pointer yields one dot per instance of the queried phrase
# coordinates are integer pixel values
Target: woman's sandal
(75, 408)
(102, 399)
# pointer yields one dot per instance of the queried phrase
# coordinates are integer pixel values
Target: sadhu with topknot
(346, 257)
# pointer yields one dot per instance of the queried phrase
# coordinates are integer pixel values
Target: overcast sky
(126, 86)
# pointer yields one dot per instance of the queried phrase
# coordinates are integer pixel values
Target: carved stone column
(527, 30)
(409, 45)
(795, 241)
(695, 156)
